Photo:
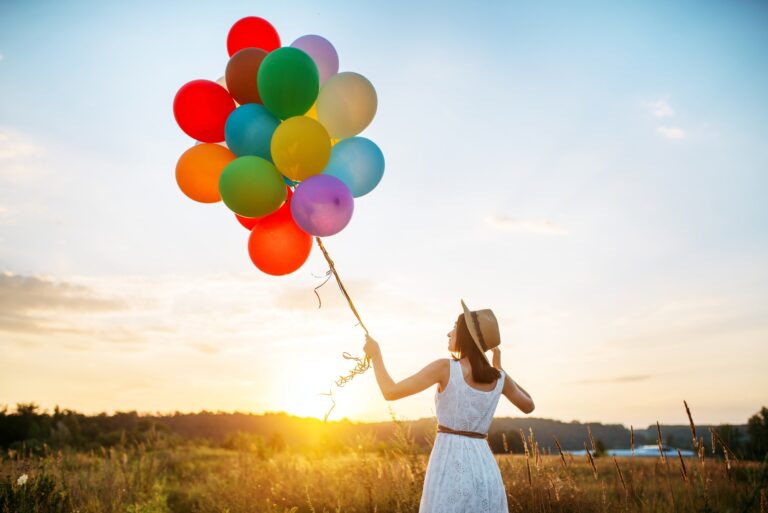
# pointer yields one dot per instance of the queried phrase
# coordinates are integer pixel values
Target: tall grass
(366, 478)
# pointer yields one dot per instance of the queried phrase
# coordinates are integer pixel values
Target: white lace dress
(462, 474)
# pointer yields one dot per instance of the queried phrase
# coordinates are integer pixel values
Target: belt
(470, 434)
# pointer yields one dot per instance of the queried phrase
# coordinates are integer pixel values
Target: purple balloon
(322, 52)
(322, 205)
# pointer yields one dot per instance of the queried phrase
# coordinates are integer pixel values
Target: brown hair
(482, 372)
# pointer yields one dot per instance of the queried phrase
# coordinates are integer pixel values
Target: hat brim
(472, 330)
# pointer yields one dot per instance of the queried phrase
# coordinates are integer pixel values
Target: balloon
(322, 205)
(222, 81)
(241, 73)
(284, 210)
(277, 246)
(346, 104)
(300, 147)
(357, 162)
(199, 169)
(252, 31)
(322, 52)
(288, 82)
(201, 108)
(223, 144)
(312, 112)
(252, 187)
(249, 130)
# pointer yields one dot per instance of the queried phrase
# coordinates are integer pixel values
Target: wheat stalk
(591, 460)
(560, 450)
(659, 443)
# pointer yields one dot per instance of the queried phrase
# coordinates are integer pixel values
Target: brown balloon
(241, 73)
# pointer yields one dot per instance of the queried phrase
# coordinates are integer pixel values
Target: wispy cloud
(35, 305)
(671, 132)
(5, 215)
(660, 108)
(542, 226)
(629, 378)
(13, 146)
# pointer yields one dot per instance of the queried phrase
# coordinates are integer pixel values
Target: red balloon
(201, 109)
(285, 208)
(252, 32)
(278, 246)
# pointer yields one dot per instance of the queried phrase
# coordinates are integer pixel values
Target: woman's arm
(434, 373)
(517, 395)
(512, 391)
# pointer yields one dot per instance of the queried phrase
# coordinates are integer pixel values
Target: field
(362, 478)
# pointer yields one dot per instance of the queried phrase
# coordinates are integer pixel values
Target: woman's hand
(371, 347)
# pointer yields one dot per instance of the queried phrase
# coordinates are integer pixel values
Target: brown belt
(470, 434)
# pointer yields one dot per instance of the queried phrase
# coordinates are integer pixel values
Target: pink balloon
(322, 205)
(322, 52)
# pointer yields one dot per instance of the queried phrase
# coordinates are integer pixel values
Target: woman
(462, 474)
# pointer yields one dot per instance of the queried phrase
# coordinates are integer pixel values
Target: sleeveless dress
(462, 474)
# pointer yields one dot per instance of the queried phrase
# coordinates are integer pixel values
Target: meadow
(155, 477)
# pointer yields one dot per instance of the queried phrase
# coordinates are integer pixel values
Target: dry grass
(367, 479)
(216, 480)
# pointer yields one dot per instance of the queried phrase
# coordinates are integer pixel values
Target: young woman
(462, 474)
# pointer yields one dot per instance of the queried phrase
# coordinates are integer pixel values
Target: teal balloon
(249, 130)
(252, 186)
(357, 162)
(288, 82)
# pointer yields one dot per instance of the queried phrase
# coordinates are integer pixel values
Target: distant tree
(599, 448)
(757, 428)
(732, 437)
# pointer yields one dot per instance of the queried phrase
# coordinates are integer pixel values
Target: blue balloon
(357, 162)
(249, 130)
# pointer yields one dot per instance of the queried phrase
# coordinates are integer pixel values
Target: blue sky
(595, 172)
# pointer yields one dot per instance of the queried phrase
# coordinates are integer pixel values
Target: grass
(204, 479)
(366, 477)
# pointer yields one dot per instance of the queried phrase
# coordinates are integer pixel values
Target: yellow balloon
(346, 104)
(301, 147)
(312, 112)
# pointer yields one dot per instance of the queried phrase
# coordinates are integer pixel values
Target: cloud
(542, 226)
(14, 147)
(30, 304)
(629, 378)
(671, 132)
(5, 215)
(660, 108)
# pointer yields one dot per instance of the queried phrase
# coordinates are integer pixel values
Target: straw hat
(483, 327)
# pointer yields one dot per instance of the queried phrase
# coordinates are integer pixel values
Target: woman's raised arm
(435, 373)
(512, 391)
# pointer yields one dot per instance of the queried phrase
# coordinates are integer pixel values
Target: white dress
(462, 474)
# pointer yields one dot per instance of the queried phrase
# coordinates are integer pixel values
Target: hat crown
(483, 327)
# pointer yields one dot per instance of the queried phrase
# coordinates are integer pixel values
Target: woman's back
(464, 408)
(462, 475)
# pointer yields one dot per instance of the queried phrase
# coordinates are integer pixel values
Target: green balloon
(288, 82)
(252, 186)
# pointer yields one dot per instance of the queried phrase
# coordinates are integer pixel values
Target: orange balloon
(198, 171)
(278, 246)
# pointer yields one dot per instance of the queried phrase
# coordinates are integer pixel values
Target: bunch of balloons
(277, 142)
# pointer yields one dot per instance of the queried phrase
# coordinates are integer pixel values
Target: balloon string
(327, 277)
(362, 364)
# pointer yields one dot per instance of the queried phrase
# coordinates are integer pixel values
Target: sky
(595, 173)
